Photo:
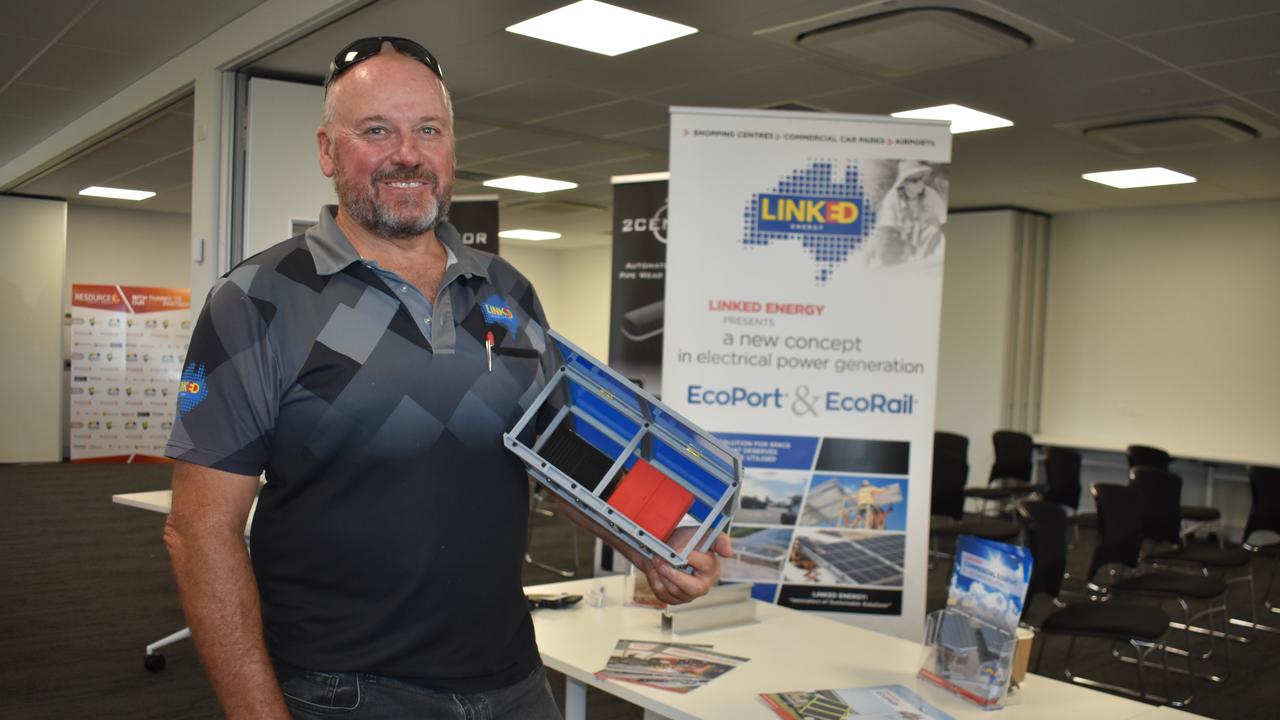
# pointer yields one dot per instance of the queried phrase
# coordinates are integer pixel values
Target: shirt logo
(496, 312)
(192, 389)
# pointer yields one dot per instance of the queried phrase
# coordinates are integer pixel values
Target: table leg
(575, 699)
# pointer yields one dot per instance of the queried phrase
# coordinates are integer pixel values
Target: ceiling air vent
(906, 42)
(1171, 133)
(896, 38)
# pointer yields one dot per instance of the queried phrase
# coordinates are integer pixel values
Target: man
(351, 365)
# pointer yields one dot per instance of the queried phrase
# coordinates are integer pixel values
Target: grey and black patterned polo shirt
(390, 534)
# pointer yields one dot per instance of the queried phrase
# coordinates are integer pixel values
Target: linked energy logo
(822, 206)
(797, 214)
(192, 389)
(496, 312)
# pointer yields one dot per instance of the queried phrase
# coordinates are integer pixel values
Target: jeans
(312, 695)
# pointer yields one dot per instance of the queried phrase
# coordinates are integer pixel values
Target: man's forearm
(220, 599)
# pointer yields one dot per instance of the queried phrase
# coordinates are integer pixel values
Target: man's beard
(386, 221)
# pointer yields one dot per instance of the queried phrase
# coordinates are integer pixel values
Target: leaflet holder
(626, 460)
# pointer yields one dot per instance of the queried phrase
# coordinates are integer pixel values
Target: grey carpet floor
(85, 585)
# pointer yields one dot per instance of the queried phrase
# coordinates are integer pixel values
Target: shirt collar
(332, 251)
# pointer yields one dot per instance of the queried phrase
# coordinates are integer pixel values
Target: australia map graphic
(818, 206)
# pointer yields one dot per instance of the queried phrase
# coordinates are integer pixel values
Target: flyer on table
(803, 296)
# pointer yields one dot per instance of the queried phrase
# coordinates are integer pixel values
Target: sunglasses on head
(365, 48)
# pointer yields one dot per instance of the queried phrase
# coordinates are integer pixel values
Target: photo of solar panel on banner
(865, 561)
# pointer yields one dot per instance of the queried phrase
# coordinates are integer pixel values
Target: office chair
(1062, 480)
(1195, 516)
(1143, 627)
(1010, 472)
(947, 503)
(1264, 514)
(1119, 542)
(1161, 522)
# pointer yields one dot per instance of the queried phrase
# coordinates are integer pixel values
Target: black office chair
(1062, 480)
(1264, 514)
(1195, 516)
(952, 445)
(1119, 542)
(1159, 492)
(1143, 627)
(947, 506)
(1011, 472)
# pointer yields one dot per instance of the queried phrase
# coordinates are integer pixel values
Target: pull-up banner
(476, 219)
(127, 345)
(639, 278)
(803, 296)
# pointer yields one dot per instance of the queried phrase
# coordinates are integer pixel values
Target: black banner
(477, 223)
(639, 282)
(841, 599)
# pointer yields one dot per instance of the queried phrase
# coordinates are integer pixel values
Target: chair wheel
(153, 663)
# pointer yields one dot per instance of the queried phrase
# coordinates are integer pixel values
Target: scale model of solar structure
(626, 460)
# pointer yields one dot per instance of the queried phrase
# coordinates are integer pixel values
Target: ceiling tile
(1136, 18)
(156, 176)
(609, 119)
(154, 29)
(42, 20)
(873, 100)
(1048, 103)
(1243, 76)
(15, 52)
(96, 73)
(762, 87)
(1067, 65)
(42, 101)
(530, 100)
(507, 142)
(655, 137)
(1215, 42)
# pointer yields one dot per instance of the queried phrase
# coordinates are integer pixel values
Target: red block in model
(652, 500)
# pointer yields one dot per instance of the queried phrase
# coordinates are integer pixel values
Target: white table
(788, 650)
(162, 500)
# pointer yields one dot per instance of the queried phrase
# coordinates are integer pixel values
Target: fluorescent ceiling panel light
(601, 28)
(962, 119)
(640, 177)
(526, 183)
(116, 193)
(525, 234)
(1139, 177)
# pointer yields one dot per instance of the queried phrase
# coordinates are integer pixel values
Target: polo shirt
(389, 536)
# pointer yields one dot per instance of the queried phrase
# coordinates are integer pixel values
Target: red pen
(488, 349)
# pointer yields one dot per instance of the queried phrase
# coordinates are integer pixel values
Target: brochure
(989, 582)
(677, 667)
(882, 702)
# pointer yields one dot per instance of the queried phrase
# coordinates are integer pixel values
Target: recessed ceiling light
(640, 177)
(525, 234)
(116, 193)
(601, 28)
(962, 119)
(1139, 177)
(526, 183)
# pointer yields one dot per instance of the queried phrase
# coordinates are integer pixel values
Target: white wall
(34, 240)
(574, 288)
(129, 247)
(282, 174)
(977, 300)
(1162, 330)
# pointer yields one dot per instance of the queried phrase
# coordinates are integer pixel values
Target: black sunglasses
(365, 48)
